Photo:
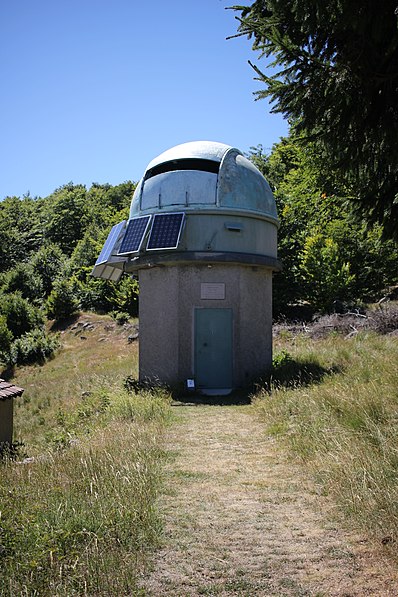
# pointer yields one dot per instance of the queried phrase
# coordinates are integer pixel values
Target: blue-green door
(213, 348)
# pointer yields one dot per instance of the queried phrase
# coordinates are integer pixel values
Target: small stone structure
(202, 238)
(7, 394)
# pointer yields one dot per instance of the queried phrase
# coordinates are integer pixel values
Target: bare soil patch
(241, 519)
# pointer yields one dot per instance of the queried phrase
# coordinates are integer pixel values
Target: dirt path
(241, 520)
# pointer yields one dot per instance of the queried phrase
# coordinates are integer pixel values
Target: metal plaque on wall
(212, 291)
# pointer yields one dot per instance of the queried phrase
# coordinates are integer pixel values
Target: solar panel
(110, 243)
(166, 231)
(134, 235)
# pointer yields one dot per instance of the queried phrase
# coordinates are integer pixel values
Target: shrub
(48, 264)
(281, 359)
(120, 317)
(62, 302)
(24, 279)
(104, 296)
(20, 315)
(326, 276)
(35, 346)
(5, 336)
(126, 296)
(94, 294)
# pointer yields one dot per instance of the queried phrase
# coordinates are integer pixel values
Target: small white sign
(212, 291)
(191, 384)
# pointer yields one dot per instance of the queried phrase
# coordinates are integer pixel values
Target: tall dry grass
(81, 518)
(335, 400)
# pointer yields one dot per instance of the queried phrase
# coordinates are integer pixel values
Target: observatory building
(202, 238)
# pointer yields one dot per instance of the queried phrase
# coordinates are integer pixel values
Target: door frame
(211, 390)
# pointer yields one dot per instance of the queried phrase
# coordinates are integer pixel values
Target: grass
(90, 361)
(81, 516)
(343, 420)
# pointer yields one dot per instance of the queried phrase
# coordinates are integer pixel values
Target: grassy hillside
(83, 505)
(334, 400)
(95, 356)
(79, 515)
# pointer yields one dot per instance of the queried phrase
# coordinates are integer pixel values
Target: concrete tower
(202, 237)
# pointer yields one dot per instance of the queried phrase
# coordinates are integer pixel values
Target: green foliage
(334, 78)
(327, 256)
(107, 205)
(64, 216)
(379, 266)
(24, 279)
(281, 360)
(22, 337)
(104, 296)
(119, 197)
(33, 347)
(120, 317)
(62, 302)
(48, 264)
(48, 248)
(87, 249)
(19, 314)
(20, 229)
(326, 276)
(5, 337)
(126, 296)
(95, 294)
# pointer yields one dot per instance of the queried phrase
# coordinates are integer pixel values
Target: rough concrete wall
(6, 420)
(159, 320)
(255, 328)
(168, 298)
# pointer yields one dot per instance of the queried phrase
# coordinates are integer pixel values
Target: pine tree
(336, 81)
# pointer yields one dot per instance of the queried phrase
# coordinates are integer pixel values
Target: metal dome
(198, 201)
(209, 150)
(202, 175)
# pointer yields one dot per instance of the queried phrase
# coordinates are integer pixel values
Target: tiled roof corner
(8, 390)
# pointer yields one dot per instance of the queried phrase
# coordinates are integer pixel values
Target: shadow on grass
(287, 374)
(236, 398)
(181, 396)
(62, 324)
(295, 374)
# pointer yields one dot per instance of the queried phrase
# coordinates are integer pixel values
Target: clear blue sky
(92, 90)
